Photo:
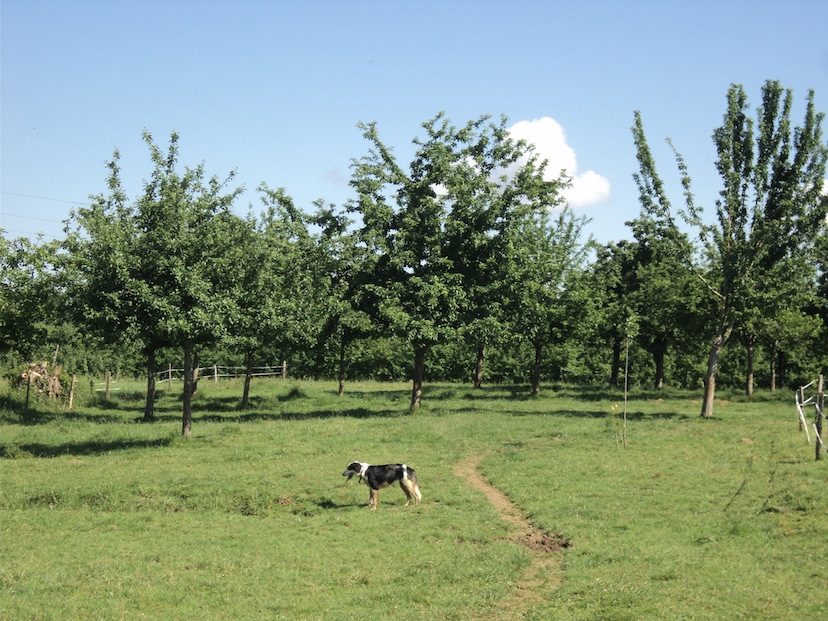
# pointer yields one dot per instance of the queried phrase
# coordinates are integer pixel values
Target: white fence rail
(215, 372)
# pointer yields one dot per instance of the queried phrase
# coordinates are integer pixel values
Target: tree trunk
(781, 366)
(713, 367)
(659, 351)
(419, 372)
(820, 403)
(149, 406)
(616, 363)
(187, 415)
(536, 370)
(196, 371)
(773, 370)
(751, 351)
(341, 366)
(248, 374)
(478, 367)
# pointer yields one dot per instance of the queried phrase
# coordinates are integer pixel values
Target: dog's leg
(372, 502)
(411, 490)
(416, 491)
(405, 484)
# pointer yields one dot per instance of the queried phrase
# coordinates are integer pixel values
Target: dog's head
(354, 468)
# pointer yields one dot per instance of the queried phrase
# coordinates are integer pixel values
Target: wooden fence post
(169, 375)
(284, 369)
(820, 404)
(215, 373)
(108, 382)
(28, 386)
(72, 390)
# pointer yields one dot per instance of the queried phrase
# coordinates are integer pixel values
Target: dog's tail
(410, 479)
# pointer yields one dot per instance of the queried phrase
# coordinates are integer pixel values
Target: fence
(818, 401)
(215, 372)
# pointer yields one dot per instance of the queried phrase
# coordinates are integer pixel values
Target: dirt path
(544, 573)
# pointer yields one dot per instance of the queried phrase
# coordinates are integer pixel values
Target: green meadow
(105, 517)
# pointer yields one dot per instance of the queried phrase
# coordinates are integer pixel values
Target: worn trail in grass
(544, 574)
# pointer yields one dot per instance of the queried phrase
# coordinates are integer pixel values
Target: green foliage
(453, 240)
(464, 254)
(767, 221)
(30, 306)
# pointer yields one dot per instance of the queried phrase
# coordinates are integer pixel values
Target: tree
(274, 283)
(613, 279)
(432, 233)
(664, 289)
(547, 302)
(183, 217)
(771, 206)
(415, 291)
(30, 295)
(152, 270)
(340, 260)
(495, 185)
(103, 244)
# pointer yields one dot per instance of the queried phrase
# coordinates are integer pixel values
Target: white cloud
(588, 188)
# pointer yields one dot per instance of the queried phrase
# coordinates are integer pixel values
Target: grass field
(104, 517)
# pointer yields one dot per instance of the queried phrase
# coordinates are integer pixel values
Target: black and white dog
(377, 477)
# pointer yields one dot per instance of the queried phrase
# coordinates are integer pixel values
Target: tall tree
(665, 291)
(30, 295)
(548, 303)
(771, 206)
(416, 292)
(182, 214)
(152, 270)
(434, 231)
(495, 185)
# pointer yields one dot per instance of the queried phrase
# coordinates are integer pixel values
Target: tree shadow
(387, 403)
(329, 504)
(253, 416)
(570, 413)
(42, 417)
(88, 448)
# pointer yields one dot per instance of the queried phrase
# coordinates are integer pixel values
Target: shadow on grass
(570, 413)
(386, 402)
(92, 447)
(42, 417)
(250, 416)
(327, 503)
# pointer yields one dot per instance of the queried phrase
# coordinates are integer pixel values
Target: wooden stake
(72, 390)
(820, 404)
(108, 382)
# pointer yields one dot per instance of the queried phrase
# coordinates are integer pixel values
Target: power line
(15, 215)
(46, 198)
(27, 233)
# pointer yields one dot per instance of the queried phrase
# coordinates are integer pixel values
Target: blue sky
(275, 89)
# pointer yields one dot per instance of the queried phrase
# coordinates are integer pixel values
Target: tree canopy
(465, 254)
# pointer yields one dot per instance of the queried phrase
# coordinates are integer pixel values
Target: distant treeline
(463, 264)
